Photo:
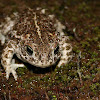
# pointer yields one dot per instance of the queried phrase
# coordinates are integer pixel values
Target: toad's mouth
(45, 64)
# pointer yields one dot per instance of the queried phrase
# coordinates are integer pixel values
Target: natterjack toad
(36, 38)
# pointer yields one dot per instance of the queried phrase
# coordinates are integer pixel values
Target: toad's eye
(29, 50)
(56, 50)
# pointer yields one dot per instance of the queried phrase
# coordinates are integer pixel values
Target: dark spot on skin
(31, 59)
(62, 48)
(49, 56)
(64, 59)
(10, 51)
(25, 57)
(24, 54)
(55, 58)
(56, 50)
(35, 54)
(50, 62)
(9, 45)
(69, 53)
(4, 62)
(67, 41)
(40, 57)
(68, 47)
(69, 58)
(6, 56)
(11, 42)
(42, 61)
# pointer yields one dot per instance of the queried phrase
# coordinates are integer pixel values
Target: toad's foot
(12, 69)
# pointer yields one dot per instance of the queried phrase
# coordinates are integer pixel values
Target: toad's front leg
(66, 50)
(6, 59)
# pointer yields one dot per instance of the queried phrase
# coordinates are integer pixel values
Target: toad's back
(36, 24)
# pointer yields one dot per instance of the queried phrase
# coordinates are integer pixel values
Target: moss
(95, 87)
(54, 97)
(76, 49)
(94, 60)
(85, 44)
(74, 19)
(83, 7)
(82, 88)
(98, 69)
(86, 77)
(71, 37)
(98, 47)
(46, 78)
(94, 54)
(97, 30)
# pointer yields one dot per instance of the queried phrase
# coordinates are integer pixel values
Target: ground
(77, 80)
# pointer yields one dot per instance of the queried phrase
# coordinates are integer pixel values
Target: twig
(78, 67)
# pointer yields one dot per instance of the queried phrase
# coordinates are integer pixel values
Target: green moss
(71, 37)
(95, 39)
(94, 54)
(88, 15)
(84, 67)
(98, 46)
(76, 49)
(95, 87)
(82, 88)
(46, 78)
(83, 7)
(74, 19)
(64, 78)
(94, 60)
(54, 97)
(98, 69)
(21, 71)
(97, 30)
(85, 44)
(87, 77)
(91, 61)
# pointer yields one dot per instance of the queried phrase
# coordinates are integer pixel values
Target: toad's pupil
(29, 50)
